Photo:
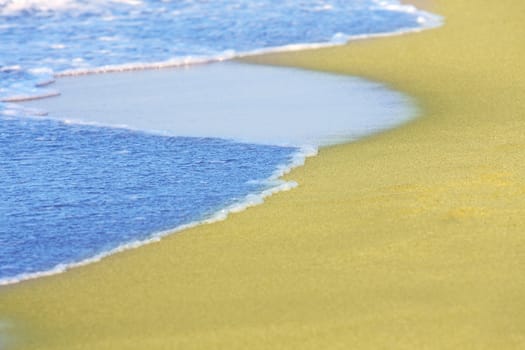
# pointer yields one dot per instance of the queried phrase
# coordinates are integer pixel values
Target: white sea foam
(395, 7)
(57, 46)
(324, 7)
(128, 67)
(14, 7)
(338, 39)
(10, 68)
(129, 2)
(10, 7)
(108, 38)
(253, 199)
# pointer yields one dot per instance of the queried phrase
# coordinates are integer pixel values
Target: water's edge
(278, 185)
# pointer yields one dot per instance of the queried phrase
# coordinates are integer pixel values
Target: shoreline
(407, 239)
(250, 200)
(272, 118)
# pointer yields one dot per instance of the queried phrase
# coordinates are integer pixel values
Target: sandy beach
(410, 239)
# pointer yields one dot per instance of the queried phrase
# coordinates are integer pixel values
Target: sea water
(73, 193)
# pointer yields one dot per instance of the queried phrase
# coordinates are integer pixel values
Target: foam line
(339, 39)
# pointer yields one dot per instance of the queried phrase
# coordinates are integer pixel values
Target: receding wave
(273, 184)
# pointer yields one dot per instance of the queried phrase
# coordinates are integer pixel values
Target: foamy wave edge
(275, 183)
(339, 39)
(431, 21)
(229, 55)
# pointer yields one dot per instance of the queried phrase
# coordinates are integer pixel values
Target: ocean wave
(75, 38)
(338, 39)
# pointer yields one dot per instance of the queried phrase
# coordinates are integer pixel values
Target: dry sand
(409, 239)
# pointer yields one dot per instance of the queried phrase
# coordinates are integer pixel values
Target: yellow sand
(413, 239)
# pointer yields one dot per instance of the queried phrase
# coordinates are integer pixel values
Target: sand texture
(411, 239)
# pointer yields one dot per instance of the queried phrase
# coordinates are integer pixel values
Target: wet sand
(230, 100)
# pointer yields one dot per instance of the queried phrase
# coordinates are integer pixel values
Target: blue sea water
(72, 193)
